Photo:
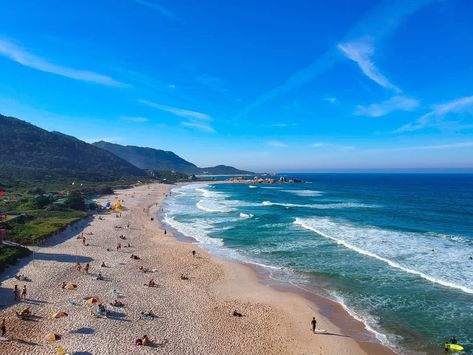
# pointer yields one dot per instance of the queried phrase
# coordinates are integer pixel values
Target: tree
(75, 201)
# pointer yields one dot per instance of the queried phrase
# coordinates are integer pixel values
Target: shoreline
(193, 316)
(332, 310)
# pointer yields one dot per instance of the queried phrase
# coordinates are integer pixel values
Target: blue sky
(281, 86)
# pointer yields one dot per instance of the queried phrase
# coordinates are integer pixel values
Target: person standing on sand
(24, 292)
(3, 328)
(193, 253)
(86, 268)
(314, 324)
(16, 293)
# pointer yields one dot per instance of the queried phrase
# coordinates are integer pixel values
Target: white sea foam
(368, 321)
(252, 186)
(245, 215)
(320, 206)
(197, 230)
(212, 207)
(304, 193)
(434, 259)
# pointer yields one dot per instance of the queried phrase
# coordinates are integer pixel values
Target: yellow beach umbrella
(53, 337)
(70, 286)
(59, 315)
(92, 300)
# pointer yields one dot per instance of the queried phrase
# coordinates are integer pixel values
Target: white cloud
(395, 103)
(378, 22)
(277, 144)
(158, 8)
(194, 119)
(201, 126)
(361, 52)
(435, 117)
(439, 146)
(106, 139)
(178, 111)
(23, 57)
(331, 100)
(136, 119)
(331, 145)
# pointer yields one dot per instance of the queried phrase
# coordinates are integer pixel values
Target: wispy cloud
(106, 139)
(395, 103)
(331, 145)
(201, 126)
(377, 23)
(439, 146)
(436, 116)
(283, 124)
(277, 144)
(136, 119)
(158, 8)
(194, 119)
(360, 52)
(178, 111)
(331, 100)
(23, 57)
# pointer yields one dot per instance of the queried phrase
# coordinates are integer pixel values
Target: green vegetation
(41, 224)
(29, 153)
(10, 254)
(156, 159)
(34, 215)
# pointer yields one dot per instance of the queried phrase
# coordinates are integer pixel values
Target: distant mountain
(223, 170)
(149, 158)
(28, 152)
(155, 159)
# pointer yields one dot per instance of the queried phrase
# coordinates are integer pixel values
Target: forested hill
(155, 159)
(149, 158)
(28, 152)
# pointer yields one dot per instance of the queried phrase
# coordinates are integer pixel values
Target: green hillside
(29, 153)
(149, 158)
(155, 159)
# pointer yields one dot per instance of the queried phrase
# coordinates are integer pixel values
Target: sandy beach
(193, 316)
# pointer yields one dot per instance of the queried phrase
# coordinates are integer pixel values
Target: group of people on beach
(18, 295)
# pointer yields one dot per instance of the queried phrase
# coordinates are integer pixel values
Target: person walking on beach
(193, 253)
(314, 324)
(86, 268)
(24, 292)
(16, 293)
(3, 328)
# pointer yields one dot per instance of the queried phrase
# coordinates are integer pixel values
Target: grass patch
(43, 223)
(9, 255)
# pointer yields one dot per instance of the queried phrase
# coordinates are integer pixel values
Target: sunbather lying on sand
(22, 278)
(183, 277)
(135, 257)
(117, 303)
(150, 283)
(237, 314)
(143, 341)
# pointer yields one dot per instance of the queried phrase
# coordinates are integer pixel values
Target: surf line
(385, 260)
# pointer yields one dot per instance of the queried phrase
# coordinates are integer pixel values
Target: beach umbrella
(53, 337)
(92, 300)
(70, 286)
(59, 315)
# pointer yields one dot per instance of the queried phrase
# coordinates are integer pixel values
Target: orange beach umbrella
(59, 315)
(53, 337)
(92, 300)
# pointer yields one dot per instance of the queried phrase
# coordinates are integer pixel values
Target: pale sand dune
(194, 316)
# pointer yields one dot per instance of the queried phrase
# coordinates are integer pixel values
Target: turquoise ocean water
(395, 250)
